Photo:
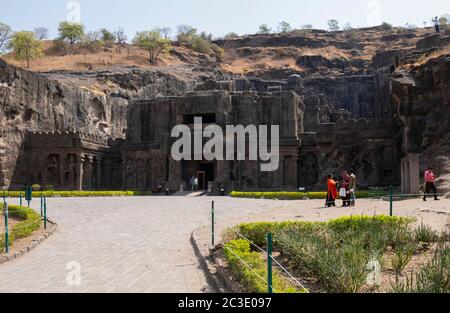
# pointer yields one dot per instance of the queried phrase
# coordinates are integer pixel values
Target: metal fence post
(42, 206)
(391, 201)
(45, 213)
(4, 198)
(6, 229)
(269, 262)
(212, 225)
(20, 199)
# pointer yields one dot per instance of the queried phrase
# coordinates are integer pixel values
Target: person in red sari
(332, 192)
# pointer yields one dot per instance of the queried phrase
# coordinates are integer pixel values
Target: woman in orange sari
(332, 192)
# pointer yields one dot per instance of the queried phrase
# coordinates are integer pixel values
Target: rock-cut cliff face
(59, 102)
(422, 99)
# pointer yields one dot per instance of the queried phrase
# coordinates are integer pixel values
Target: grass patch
(29, 222)
(336, 254)
(238, 251)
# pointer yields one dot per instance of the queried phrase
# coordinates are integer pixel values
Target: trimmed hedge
(30, 222)
(239, 250)
(292, 195)
(69, 194)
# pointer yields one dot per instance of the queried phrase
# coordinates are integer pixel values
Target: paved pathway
(123, 245)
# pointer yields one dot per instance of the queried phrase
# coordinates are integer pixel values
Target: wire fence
(271, 260)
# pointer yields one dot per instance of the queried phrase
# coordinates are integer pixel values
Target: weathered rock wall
(422, 101)
(56, 102)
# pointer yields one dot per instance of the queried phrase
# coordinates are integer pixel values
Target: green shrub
(425, 234)
(68, 194)
(36, 187)
(282, 195)
(30, 222)
(238, 251)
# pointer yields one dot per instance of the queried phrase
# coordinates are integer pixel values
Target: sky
(213, 16)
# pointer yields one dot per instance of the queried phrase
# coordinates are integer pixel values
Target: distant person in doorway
(352, 187)
(437, 25)
(196, 183)
(430, 185)
(332, 192)
(191, 182)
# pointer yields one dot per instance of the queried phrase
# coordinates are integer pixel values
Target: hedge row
(68, 194)
(294, 195)
(238, 251)
(29, 222)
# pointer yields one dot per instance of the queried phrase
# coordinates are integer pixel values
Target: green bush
(69, 194)
(30, 222)
(283, 195)
(238, 251)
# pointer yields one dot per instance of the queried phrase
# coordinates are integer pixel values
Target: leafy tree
(71, 32)
(41, 33)
(25, 46)
(284, 27)
(231, 35)
(264, 29)
(108, 38)
(5, 35)
(306, 26)
(333, 25)
(201, 45)
(154, 43)
(348, 26)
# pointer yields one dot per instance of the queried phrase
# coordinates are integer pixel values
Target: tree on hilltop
(154, 43)
(25, 46)
(71, 33)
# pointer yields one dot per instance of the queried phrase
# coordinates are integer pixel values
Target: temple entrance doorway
(205, 171)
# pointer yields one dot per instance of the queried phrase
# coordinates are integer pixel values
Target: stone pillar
(79, 174)
(175, 174)
(62, 166)
(98, 168)
(410, 174)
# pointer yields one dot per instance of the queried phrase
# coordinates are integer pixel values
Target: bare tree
(6, 34)
(121, 38)
(41, 33)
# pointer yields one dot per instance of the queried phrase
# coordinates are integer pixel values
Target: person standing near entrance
(430, 180)
(332, 192)
(437, 25)
(196, 183)
(191, 182)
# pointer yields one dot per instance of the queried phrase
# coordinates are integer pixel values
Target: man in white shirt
(437, 25)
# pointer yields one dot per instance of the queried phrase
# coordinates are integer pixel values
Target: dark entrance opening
(205, 172)
(205, 175)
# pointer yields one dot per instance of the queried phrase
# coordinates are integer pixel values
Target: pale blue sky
(217, 17)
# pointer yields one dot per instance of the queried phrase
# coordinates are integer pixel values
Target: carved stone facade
(69, 161)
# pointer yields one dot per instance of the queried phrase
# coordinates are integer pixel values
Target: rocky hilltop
(371, 78)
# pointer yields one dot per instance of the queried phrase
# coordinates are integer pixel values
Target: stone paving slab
(137, 244)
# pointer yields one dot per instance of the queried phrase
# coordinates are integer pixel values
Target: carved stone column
(79, 175)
